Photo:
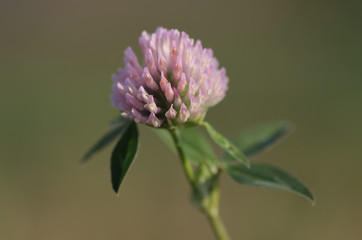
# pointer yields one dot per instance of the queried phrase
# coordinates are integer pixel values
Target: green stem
(217, 226)
(211, 209)
(185, 163)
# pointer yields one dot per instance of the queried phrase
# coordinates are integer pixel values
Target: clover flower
(176, 83)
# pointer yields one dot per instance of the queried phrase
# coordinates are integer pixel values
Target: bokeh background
(291, 60)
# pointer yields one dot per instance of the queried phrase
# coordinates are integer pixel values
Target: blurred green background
(291, 60)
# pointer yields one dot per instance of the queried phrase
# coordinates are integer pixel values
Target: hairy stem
(211, 208)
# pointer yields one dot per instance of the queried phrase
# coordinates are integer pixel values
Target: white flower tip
(153, 120)
(184, 113)
(171, 113)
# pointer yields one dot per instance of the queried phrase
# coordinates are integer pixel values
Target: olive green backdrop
(291, 60)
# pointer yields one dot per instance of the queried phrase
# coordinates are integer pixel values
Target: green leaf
(257, 139)
(226, 144)
(268, 176)
(105, 140)
(119, 120)
(166, 138)
(123, 155)
(195, 145)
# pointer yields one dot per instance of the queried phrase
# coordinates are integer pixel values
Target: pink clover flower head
(176, 83)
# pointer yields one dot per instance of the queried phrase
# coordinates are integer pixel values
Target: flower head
(176, 83)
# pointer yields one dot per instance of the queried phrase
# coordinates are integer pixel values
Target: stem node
(209, 202)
